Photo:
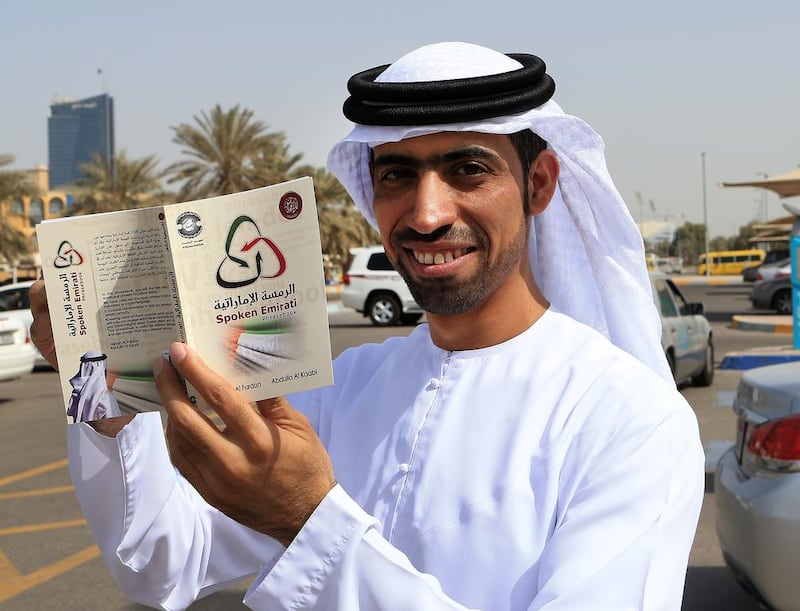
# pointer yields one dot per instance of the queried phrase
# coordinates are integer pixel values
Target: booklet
(239, 278)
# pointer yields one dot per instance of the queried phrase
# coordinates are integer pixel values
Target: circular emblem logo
(291, 205)
(189, 224)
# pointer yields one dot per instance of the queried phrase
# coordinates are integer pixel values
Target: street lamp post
(705, 215)
(764, 203)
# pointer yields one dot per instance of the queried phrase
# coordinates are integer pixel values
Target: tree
(13, 184)
(229, 151)
(689, 241)
(742, 241)
(341, 225)
(120, 185)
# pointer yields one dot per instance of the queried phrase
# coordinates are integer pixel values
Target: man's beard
(450, 296)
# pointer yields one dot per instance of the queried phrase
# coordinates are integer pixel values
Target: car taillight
(782, 275)
(775, 445)
(346, 279)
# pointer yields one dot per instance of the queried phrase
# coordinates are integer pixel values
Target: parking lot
(48, 559)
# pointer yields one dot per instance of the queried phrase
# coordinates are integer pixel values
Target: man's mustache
(447, 233)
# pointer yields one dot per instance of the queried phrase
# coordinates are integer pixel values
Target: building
(75, 131)
(23, 213)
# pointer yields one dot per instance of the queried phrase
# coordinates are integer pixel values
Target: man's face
(449, 209)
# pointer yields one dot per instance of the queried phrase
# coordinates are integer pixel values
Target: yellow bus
(729, 261)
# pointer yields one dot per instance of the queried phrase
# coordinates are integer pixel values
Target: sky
(686, 94)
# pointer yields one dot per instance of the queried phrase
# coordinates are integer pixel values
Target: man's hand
(41, 329)
(267, 469)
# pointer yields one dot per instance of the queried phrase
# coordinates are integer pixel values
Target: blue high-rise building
(76, 130)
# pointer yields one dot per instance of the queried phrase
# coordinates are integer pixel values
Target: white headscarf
(586, 252)
(90, 398)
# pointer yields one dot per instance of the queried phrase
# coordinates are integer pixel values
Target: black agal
(448, 101)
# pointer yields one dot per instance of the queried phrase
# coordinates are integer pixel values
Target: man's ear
(542, 181)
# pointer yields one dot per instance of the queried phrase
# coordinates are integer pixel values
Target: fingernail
(158, 364)
(177, 352)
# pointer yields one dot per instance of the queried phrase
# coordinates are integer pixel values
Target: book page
(251, 283)
(238, 277)
(112, 306)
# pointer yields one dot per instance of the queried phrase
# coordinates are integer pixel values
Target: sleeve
(340, 561)
(153, 529)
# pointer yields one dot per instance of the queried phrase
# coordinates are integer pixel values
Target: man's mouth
(437, 258)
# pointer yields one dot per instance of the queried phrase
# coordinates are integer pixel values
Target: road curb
(753, 323)
(759, 358)
(712, 280)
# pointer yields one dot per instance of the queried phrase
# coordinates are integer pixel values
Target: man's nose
(434, 205)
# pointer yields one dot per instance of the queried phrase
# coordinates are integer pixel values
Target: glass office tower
(76, 130)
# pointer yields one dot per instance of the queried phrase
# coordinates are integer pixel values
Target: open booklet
(239, 278)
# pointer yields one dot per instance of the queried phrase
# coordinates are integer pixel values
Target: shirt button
(433, 384)
(403, 468)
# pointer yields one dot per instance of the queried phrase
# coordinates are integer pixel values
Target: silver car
(757, 487)
(685, 333)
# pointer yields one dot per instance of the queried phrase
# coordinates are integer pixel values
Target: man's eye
(394, 175)
(470, 169)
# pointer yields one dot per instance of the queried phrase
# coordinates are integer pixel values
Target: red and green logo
(67, 256)
(248, 256)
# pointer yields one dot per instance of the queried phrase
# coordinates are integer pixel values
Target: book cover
(238, 277)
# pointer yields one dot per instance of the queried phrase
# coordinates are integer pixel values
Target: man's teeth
(427, 258)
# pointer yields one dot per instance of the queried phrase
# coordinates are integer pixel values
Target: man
(504, 456)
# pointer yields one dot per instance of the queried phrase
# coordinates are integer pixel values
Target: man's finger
(193, 426)
(41, 329)
(279, 411)
(235, 411)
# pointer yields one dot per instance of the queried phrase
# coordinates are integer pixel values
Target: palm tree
(229, 151)
(13, 183)
(341, 225)
(120, 185)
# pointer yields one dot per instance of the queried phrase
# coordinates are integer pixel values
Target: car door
(695, 329)
(675, 334)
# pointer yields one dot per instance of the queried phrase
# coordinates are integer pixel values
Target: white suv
(373, 287)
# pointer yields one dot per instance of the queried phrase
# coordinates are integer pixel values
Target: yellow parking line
(10, 479)
(32, 528)
(12, 583)
(41, 492)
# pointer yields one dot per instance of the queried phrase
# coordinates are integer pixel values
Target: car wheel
(782, 301)
(706, 375)
(411, 319)
(384, 310)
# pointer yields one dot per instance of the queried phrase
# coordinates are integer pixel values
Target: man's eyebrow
(467, 152)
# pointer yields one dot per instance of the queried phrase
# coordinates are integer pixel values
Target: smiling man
(526, 449)
(453, 211)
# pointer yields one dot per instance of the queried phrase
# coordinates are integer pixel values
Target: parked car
(373, 287)
(14, 301)
(16, 352)
(685, 333)
(773, 295)
(669, 265)
(750, 274)
(757, 487)
(779, 269)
